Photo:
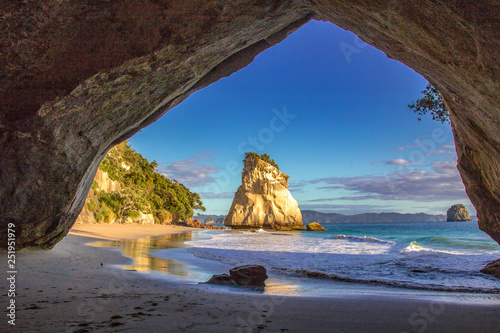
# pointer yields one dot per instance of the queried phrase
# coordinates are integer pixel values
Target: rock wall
(143, 218)
(106, 184)
(263, 199)
(457, 213)
(86, 217)
(78, 77)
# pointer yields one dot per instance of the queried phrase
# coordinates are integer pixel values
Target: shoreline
(147, 253)
(67, 290)
(125, 231)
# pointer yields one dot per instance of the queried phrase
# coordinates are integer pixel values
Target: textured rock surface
(493, 268)
(106, 184)
(78, 77)
(141, 219)
(315, 227)
(249, 275)
(222, 279)
(86, 217)
(263, 199)
(457, 213)
(197, 224)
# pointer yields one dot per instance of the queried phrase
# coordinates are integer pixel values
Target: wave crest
(393, 283)
(417, 247)
(361, 239)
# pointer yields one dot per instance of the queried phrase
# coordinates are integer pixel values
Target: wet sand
(67, 290)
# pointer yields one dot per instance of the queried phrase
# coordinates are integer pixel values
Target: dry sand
(67, 290)
(124, 231)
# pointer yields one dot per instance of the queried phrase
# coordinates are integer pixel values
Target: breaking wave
(360, 239)
(421, 263)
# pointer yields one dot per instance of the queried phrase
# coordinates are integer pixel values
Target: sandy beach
(68, 290)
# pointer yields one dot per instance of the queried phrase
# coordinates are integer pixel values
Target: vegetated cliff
(310, 216)
(263, 199)
(458, 213)
(127, 189)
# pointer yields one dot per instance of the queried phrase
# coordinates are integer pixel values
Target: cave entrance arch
(340, 95)
(102, 73)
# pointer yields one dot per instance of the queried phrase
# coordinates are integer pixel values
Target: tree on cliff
(143, 189)
(264, 157)
(431, 102)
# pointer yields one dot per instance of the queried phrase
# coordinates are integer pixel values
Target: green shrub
(132, 213)
(263, 157)
(104, 215)
(92, 205)
(113, 200)
(143, 189)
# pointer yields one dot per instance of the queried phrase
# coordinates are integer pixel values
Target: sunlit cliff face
(263, 199)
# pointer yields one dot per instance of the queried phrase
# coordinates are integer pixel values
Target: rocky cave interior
(79, 78)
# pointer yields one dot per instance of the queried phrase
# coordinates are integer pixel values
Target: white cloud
(346, 209)
(296, 187)
(446, 168)
(418, 145)
(429, 148)
(442, 183)
(192, 171)
(209, 195)
(397, 161)
(435, 152)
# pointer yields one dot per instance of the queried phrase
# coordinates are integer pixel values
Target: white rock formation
(263, 199)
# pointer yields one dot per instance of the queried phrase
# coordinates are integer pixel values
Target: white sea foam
(270, 242)
(416, 247)
(360, 239)
(351, 258)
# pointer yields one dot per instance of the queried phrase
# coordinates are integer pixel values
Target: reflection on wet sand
(139, 250)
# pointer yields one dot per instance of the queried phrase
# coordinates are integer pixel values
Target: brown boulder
(249, 275)
(221, 279)
(197, 224)
(493, 268)
(315, 227)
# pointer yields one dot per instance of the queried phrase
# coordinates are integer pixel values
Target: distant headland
(309, 216)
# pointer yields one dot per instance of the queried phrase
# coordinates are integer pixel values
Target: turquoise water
(446, 236)
(430, 256)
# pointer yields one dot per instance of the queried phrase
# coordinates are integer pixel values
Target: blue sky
(332, 112)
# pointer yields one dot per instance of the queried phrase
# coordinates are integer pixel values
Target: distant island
(313, 216)
(458, 213)
(309, 216)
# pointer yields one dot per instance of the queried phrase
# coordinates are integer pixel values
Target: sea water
(432, 256)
